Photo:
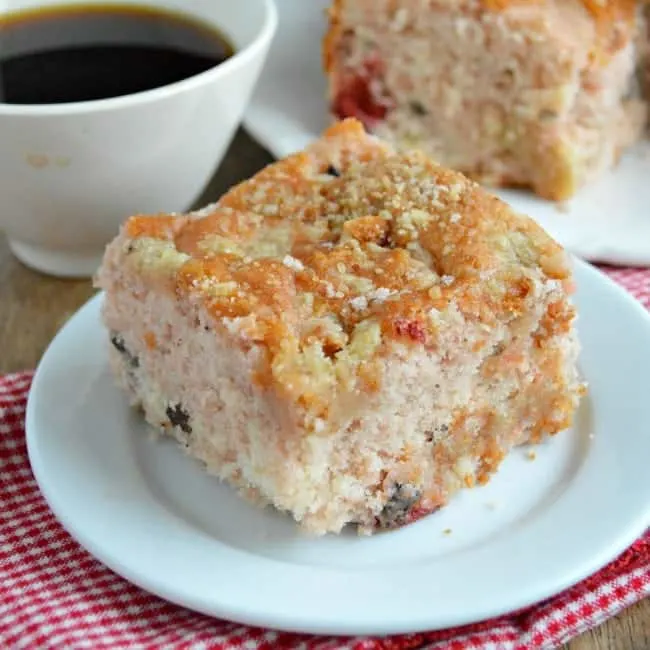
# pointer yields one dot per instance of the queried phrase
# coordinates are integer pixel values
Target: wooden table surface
(33, 307)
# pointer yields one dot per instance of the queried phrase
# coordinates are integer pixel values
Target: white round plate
(152, 515)
(608, 221)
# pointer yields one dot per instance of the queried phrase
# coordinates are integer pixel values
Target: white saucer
(153, 516)
(607, 222)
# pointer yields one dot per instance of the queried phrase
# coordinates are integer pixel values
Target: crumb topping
(324, 258)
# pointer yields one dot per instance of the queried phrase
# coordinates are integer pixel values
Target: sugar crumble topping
(293, 263)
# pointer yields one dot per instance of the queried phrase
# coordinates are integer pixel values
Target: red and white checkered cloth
(55, 595)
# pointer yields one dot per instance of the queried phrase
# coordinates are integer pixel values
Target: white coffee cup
(71, 173)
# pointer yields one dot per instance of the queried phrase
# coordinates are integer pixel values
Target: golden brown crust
(339, 250)
(332, 35)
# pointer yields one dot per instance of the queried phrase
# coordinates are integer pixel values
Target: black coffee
(78, 53)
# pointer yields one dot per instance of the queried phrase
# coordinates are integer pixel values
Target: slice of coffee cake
(352, 335)
(537, 94)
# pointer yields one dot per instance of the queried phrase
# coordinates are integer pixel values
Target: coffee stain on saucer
(37, 161)
(41, 161)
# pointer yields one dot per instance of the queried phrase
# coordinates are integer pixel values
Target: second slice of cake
(352, 335)
(514, 93)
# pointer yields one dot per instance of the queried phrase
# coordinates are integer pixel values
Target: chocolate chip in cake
(118, 344)
(385, 241)
(417, 108)
(332, 171)
(179, 417)
(436, 433)
(398, 507)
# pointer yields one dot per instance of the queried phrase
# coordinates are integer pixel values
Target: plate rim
(292, 621)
